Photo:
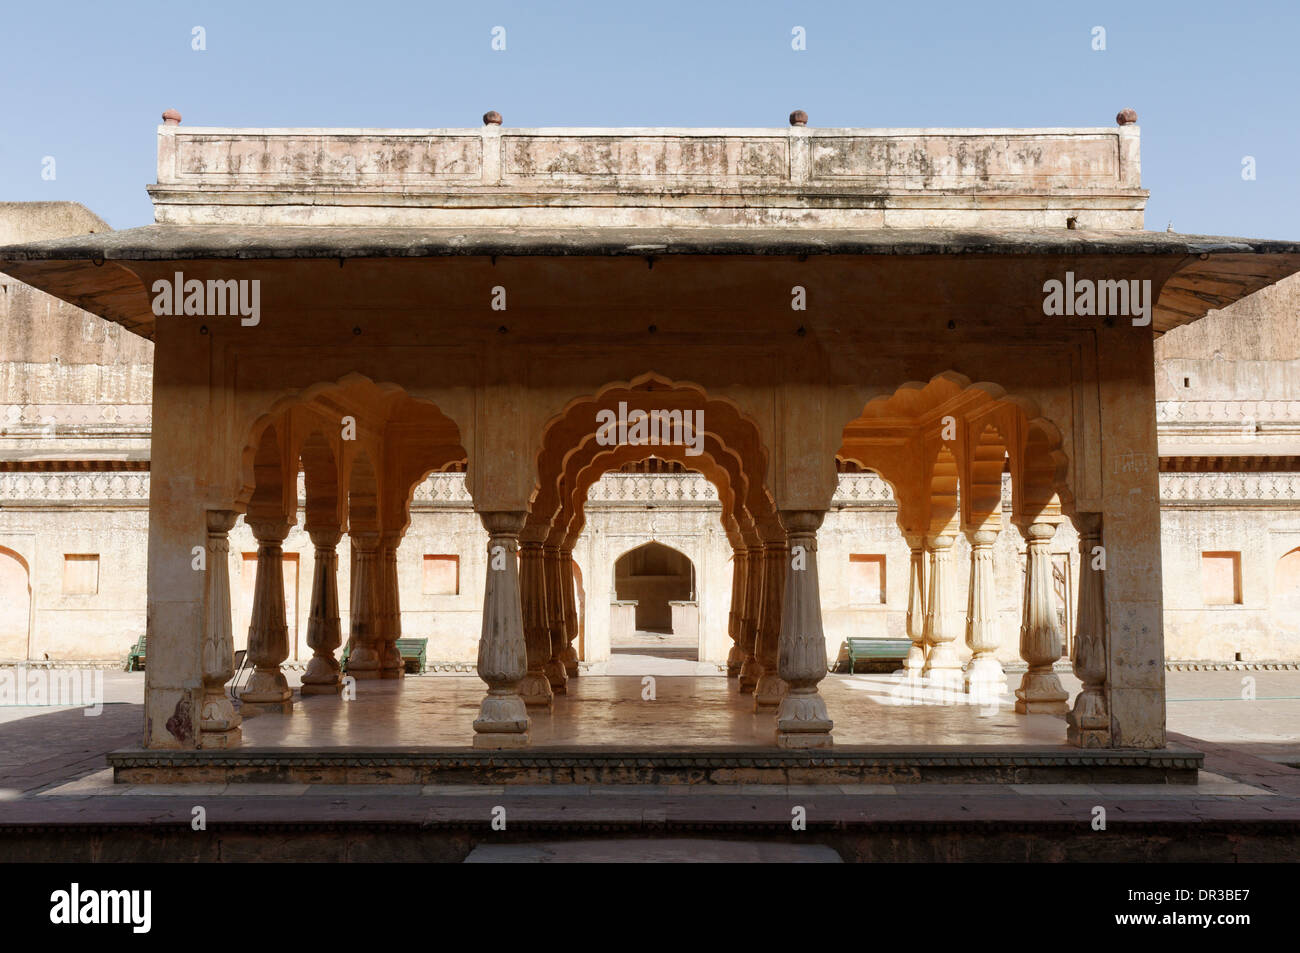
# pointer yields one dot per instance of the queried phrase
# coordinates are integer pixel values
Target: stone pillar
(218, 720)
(535, 687)
(390, 608)
(984, 675)
(916, 596)
(554, 668)
(749, 665)
(324, 633)
(364, 624)
(736, 655)
(1089, 720)
(770, 688)
(268, 631)
(567, 586)
(1040, 638)
(802, 720)
(502, 657)
(942, 617)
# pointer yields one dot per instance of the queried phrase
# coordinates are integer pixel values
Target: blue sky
(1212, 82)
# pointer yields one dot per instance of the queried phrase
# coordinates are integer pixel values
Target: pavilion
(367, 307)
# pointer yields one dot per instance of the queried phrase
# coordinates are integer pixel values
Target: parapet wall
(495, 176)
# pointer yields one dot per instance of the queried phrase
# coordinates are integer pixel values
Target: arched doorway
(656, 604)
(15, 606)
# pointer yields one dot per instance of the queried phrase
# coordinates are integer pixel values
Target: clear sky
(85, 82)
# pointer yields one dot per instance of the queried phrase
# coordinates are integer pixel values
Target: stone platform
(859, 764)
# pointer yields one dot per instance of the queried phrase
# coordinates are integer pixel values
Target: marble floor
(650, 711)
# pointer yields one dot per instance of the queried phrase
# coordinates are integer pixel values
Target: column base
(914, 664)
(556, 676)
(1088, 722)
(749, 675)
(802, 721)
(502, 721)
(1041, 693)
(219, 722)
(735, 658)
(266, 687)
(984, 676)
(321, 688)
(769, 691)
(230, 738)
(535, 690)
(570, 657)
(364, 663)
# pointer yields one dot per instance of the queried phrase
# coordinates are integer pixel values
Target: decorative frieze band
(73, 487)
(1230, 487)
(1226, 411)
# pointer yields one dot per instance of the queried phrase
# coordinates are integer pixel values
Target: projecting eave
(93, 271)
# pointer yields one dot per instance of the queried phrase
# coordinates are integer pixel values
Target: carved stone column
(984, 675)
(554, 668)
(1040, 635)
(268, 630)
(567, 587)
(502, 657)
(735, 656)
(1089, 720)
(535, 687)
(364, 624)
(218, 721)
(942, 616)
(916, 597)
(750, 670)
(324, 633)
(802, 720)
(770, 688)
(390, 608)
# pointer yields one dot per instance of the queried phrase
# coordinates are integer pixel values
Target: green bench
(886, 650)
(414, 654)
(135, 658)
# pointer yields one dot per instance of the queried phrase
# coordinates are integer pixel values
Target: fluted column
(802, 720)
(535, 686)
(984, 675)
(502, 656)
(324, 633)
(749, 665)
(364, 621)
(916, 597)
(268, 630)
(1040, 636)
(390, 608)
(554, 668)
(770, 688)
(942, 616)
(570, 599)
(218, 721)
(1089, 720)
(736, 655)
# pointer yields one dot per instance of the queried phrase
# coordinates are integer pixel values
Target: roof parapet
(790, 177)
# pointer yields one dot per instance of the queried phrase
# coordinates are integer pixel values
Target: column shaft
(568, 586)
(942, 616)
(984, 675)
(535, 687)
(554, 668)
(916, 598)
(770, 688)
(364, 622)
(1040, 635)
(502, 655)
(1089, 720)
(802, 720)
(218, 722)
(268, 630)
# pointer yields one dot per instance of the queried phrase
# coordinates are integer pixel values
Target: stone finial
(798, 118)
(171, 118)
(492, 118)
(1127, 117)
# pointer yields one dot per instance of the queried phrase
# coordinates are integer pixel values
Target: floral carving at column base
(735, 658)
(802, 721)
(571, 661)
(769, 691)
(502, 722)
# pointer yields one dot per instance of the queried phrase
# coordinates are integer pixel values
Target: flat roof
(1219, 270)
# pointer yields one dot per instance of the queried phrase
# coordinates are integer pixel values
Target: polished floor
(650, 711)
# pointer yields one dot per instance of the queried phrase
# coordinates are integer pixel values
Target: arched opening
(657, 584)
(15, 606)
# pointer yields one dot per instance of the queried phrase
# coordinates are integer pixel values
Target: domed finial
(171, 118)
(798, 118)
(492, 118)
(1127, 117)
